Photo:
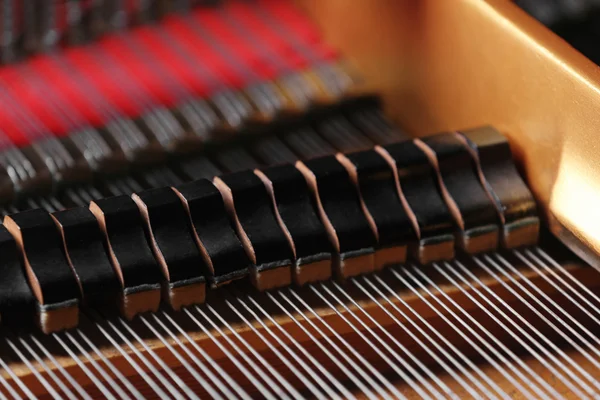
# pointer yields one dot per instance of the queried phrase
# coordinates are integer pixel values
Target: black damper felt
(419, 184)
(377, 185)
(224, 252)
(341, 203)
(297, 211)
(169, 225)
(16, 296)
(49, 274)
(459, 175)
(513, 199)
(255, 214)
(43, 251)
(341, 212)
(125, 233)
(84, 246)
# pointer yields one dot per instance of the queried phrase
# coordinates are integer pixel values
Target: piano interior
(299, 199)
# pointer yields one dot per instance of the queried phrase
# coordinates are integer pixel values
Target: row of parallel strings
(321, 359)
